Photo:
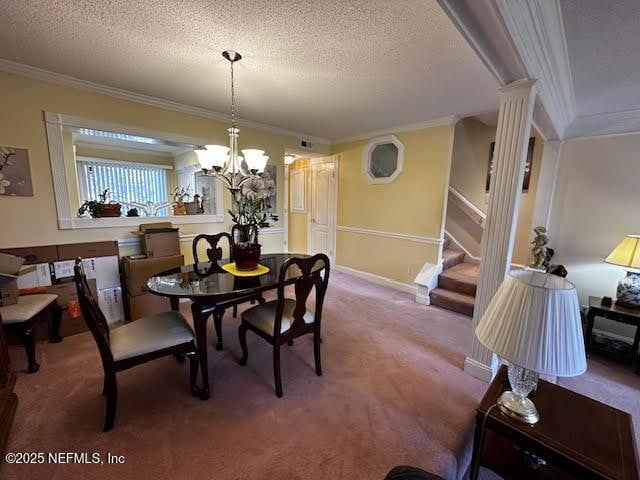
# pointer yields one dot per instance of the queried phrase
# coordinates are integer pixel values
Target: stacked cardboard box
(161, 247)
(53, 273)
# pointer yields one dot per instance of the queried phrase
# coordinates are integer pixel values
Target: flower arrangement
(252, 209)
(5, 155)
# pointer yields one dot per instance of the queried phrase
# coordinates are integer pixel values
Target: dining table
(209, 286)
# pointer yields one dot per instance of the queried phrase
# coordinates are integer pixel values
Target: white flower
(254, 188)
(3, 183)
(270, 188)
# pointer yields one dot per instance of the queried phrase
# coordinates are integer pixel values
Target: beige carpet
(393, 392)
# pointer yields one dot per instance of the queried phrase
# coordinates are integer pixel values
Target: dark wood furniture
(282, 320)
(618, 313)
(576, 438)
(207, 285)
(214, 254)
(23, 316)
(134, 343)
(8, 399)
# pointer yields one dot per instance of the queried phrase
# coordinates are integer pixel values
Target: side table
(576, 438)
(618, 313)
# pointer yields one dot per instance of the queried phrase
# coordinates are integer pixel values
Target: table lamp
(533, 322)
(627, 254)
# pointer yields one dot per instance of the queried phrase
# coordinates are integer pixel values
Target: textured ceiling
(603, 39)
(329, 68)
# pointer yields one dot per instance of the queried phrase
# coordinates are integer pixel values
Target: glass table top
(208, 279)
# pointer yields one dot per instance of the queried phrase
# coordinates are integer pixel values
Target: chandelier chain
(233, 100)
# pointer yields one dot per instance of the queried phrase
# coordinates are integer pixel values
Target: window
(127, 181)
(382, 159)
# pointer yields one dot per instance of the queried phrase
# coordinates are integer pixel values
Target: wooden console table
(618, 313)
(576, 438)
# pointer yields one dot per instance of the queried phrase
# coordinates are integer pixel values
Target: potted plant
(250, 213)
(101, 207)
(178, 197)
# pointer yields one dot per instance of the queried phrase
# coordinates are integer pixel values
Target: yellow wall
(469, 166)
(411, 205)
(298, 221)
(33, 220)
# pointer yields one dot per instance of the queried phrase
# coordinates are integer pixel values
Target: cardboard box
(161, 242)
(110, 303)
(147, 304)
(67, 292)
(137, 272)
(34, 255)
(87, 250)
(10, 269)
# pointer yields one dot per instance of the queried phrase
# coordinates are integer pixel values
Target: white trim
(137, 151)
(335, 159)
(366, 159)
(68, 81)
(54, 124)
(377, 279)
(466, 203)
(427, 280)
(605, 124)
(436, 122)
(537, 31)
(478, 370)
(84, 158)
(187, 237)
(113, 222)
(285, 237)
(468, 256)
(398, 236)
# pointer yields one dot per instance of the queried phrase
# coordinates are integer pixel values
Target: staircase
(457, 283)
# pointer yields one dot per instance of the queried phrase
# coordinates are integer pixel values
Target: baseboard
(478, 370)
(377, 279)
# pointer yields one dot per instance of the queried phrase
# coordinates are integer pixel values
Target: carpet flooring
(393, 392)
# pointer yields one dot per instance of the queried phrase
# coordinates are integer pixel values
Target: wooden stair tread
(455, 301)
(450, 258)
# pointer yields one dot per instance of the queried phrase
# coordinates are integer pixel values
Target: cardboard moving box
(138, 271)
(147, 304)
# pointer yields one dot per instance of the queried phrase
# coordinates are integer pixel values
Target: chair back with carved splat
(314, 273)
(93, 316)
(214, 252)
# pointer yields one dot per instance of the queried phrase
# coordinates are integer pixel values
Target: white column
(546, 185)
(285, 238)
(512, 139)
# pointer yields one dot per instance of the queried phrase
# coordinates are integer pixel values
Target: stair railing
(467, 207)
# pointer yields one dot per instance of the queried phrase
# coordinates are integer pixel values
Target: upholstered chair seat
(28, 306)
(21, 317)
(150, 334)
(263, 316)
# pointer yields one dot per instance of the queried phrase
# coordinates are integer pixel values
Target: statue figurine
(539, 251)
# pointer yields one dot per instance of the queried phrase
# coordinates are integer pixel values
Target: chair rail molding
(54, 125)
(397, 236)
(468, 207)
(512, 139)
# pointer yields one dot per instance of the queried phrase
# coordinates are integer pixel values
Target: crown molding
(436, 122)
(537, 32)
(605, 124)
(36, 73)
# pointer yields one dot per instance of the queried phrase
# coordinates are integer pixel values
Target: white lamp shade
(255, 159)
(533, 321)
(212, 156)
(289, 159)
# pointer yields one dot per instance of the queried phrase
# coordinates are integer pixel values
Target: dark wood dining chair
(214, 254)
(145, 339)
(282, 320)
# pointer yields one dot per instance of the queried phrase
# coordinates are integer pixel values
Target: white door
(321, 236)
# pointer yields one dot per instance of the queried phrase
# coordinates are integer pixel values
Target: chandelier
(224, 162)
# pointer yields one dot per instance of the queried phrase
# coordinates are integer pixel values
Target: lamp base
(518, 407)
(628, 293)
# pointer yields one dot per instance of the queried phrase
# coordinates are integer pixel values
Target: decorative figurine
(539, 251)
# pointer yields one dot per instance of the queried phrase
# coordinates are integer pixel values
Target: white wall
(596, 203)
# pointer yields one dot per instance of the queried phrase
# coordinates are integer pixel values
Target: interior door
(322, 214)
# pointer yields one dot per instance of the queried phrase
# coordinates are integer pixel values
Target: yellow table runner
(231, 268)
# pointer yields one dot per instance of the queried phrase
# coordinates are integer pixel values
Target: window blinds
(127, 182)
